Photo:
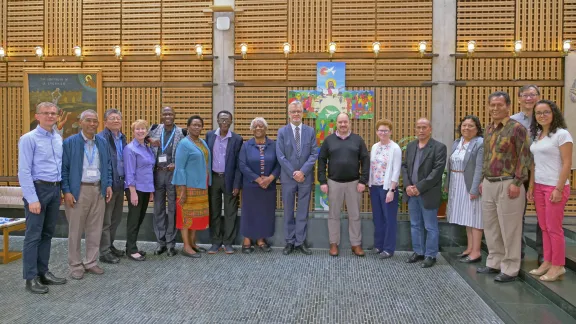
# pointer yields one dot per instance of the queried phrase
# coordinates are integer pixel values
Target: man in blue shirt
(39, 174)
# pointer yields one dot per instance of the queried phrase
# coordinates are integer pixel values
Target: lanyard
(164, 147)
(90, 158)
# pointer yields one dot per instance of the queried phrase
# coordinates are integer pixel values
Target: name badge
(92, 173)
(162, 158)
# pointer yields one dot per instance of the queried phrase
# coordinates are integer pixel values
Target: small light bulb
(243, 49)
(471, 46)
(77, 51)
(376, 47)
(422, 47)
(39, 51)
(566, 46)
(332, 47)
(157, 50)
(199, 50)
(517, 46)
(2, 52)
(117, 51)
(286, 48)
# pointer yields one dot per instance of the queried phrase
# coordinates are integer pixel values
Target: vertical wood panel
(539, 69)
(63, 21)
(14, 125)
(184, 25)
(263, 26)
(401, 25)
(100, 26)
(113, 99)
(141, 71)
(490, 23)
(3, 19)
(354, 24)
(139, 103)
(250, 103)
(140, 26)
(308, 29)
(485, 69)
(15, 69)
(570, 20)
(538, 24)
(188, 102)
(25, 26)
(4, 129)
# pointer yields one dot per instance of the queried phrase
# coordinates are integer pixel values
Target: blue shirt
(139, 164)
(39, 158)
(119, 151)
(90, 154)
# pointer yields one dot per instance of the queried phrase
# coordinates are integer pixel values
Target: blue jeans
(39, 231)
(384, 217)
(420, 219)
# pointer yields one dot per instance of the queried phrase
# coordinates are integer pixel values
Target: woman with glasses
(385, 164)
(464, 173)
(549, 187)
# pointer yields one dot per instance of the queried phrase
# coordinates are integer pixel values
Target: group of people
(193, 179)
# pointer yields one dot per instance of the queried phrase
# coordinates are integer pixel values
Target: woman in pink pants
(549, 186)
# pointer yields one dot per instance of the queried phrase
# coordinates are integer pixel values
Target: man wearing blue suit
(225, 146)
(297, 153)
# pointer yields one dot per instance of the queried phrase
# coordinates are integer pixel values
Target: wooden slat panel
(250, 103)
(257, 70)
(4, 130)
(308, 22)
(139, 103)
(188, 102)
(570, 20)
(3, 19)
(15, 69)
(402, 24)
(63, 65)
(490, 23)
(263, 26)
(539, 69)
(302, 70)
(359, 70)
(101, 23)
(140, 26)
(3, 71)
(353, 24)
(538, 24)
(193, 71)
(184, 25)
(141, 71)
(485, 69)
(113, 99)
(63, 21)
(110, 70)
(25, 26)
(404, 69)
(14, 126)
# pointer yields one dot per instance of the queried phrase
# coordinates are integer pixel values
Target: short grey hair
(86, 112)
(295, 103)
(112, 111)
(46, 104)
(258, 120)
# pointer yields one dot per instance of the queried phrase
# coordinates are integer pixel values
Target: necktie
(297, 137)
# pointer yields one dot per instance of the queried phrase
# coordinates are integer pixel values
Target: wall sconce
(422, 48)
(243, 50)
(566, 46)
(376, 48)
(332, 48)
(2, 53)
(517, 47)
(39, 51)
(118, 52)
(471, 47)
(199, 50)
(286, 49)
(78, 52)
(158, 50)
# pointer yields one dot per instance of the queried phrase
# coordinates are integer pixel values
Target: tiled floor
(258, 288)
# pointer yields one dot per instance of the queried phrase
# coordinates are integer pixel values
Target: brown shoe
(358, 250)
(95, 270)
(333, 249)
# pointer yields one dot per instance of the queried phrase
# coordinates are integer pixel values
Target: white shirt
(294, 132)
(547, 158)
(392, 168)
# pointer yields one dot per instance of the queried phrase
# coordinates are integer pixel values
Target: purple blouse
(139, 167)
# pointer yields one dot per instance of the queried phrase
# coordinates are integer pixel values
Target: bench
(10, 196)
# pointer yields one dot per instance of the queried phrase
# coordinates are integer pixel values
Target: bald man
(422, 174)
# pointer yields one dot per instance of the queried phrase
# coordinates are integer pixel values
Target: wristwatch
(393, 190)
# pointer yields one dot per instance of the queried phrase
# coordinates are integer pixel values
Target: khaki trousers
(339, 192)
(86, 217)
(502, 225)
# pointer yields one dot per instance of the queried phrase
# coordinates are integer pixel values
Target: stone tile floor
(257, 288)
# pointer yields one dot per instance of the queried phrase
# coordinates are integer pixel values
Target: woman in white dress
(464, 173)
(549, 185)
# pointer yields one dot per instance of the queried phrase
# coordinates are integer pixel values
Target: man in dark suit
(297, 153)
(422, 177)
(226, 181)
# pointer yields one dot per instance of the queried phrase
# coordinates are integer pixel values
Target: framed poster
(72, 90)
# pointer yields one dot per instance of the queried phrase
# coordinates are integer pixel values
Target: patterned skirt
(194, 213)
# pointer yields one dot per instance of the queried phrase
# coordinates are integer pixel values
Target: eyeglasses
(543, 113)
(294, 112)
(51, 114)
(528, 95)
(114, 118)
(383, 131)
(224, 121)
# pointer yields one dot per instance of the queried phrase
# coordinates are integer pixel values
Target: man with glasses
(165, 138)
(297, 153)
(39, 174)
(226, 182)
(528, 96)
(114, 208)
(87, 187)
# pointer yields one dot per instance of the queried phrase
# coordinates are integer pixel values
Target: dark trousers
(295, 225)
(135, 217)
(39, 231)
(112, 219)
(539, 248)
(223, 230)
(164, 219)
(384, 216)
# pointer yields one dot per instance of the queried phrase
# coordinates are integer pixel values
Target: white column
(223, 71)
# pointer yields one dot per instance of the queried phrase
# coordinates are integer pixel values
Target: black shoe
(468, 260)
(160, 250)
(487, 270)
(384, 255)
(35, 286)
(265, 247)
(49, 279)
(247, 249)
(302, 248)
(540, 259)
(171, 252)
(502, 277)
(289, 248)
(415, 258)
(461, 255)
(190, 255)
(109, 258)
(199, 249)
(428, 262)
(116, 252)
(140, 258)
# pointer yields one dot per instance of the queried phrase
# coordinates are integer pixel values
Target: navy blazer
(232, 174)
(287, 157)
(73, 160)
(249, 161)
(117, 182)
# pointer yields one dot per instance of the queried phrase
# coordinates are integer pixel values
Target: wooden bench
(11, 197)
